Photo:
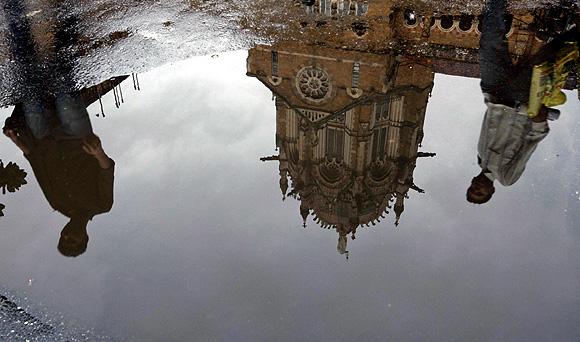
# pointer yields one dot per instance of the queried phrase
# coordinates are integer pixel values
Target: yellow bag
(548, 79)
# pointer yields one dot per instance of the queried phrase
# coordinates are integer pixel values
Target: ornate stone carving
(313, 84)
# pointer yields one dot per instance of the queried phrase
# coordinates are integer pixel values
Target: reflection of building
(451, 39)
(336, 7)
(351, 81)
(348, 127)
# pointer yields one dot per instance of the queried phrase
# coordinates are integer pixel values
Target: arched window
(326, 7)
(446, 22)
(380, 130)
(465, 23)
(343, 7)
(432, 22)
(382, 111)
(359, 28)
(379, 143)
(362, 9)
(410, 17)
(334, 143)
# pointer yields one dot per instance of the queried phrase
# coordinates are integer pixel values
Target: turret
(399, 207)
(283, 183)
(304, 212)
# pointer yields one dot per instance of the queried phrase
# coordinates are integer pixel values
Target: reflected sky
(200, 246)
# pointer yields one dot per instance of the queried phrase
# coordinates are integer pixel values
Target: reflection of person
(76, 177)
(52, 128)
(508, 136)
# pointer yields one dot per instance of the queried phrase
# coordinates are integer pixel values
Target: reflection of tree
(12, 178)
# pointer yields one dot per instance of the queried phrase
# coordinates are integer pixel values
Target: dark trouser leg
(66, 37)
(70, 110)
(520, 84)
(73, 116)
(499, 76)
(494, 61)
(23, 51)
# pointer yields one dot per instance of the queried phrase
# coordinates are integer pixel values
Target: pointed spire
(399, 207)
(283, 183)
(342, 244)
(304, 212)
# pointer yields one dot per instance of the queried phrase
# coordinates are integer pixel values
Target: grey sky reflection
(200, 246)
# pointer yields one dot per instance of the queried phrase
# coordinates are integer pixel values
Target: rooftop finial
(399, 207)
(304, 212)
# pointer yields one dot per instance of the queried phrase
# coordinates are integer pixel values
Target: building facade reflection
(348, 129)
(418, 29)
(349, 122)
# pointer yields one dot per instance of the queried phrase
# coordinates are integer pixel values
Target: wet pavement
(288, 171)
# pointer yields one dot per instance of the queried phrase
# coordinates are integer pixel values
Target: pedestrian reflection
(348, 129)
(51, 125)
(74, 173)
(515, 121)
